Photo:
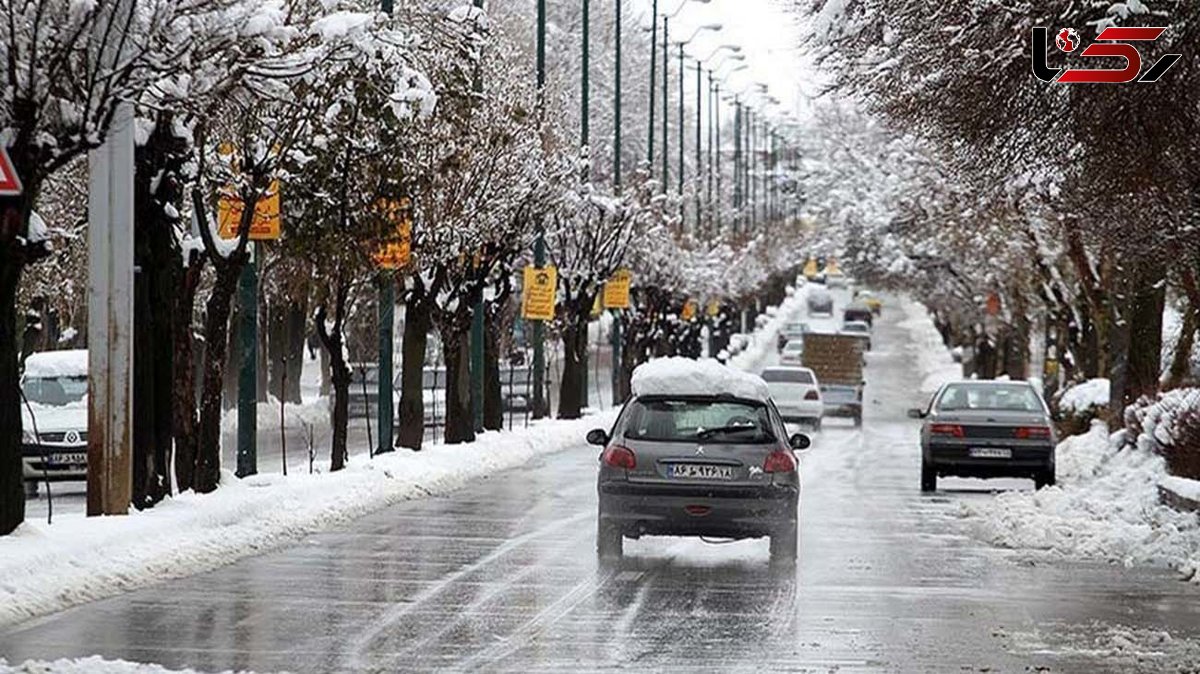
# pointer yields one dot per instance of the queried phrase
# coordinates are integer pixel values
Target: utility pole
(616, 313)
(665, 104)
(387, 315)
(716, 158)
(247, 409)
(737, 162)
(478, 316)
(699, 144)
(110, 300)
(585, 142)
(653, 79)
(539, 246)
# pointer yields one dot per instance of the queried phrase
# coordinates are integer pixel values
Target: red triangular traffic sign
(10, 182)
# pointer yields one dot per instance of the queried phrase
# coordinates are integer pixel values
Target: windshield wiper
(709, 432)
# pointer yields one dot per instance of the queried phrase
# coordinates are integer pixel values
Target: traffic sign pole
(387, 315)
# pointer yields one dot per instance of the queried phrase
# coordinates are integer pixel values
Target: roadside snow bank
(46, 568)
(1105, 507)
(1091, 394)
(935, 365)
(763, 340)
(92, 665)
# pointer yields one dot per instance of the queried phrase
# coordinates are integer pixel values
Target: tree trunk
(1181, 361)
(460, 426)
(297, 322)
(340, 372)
(12, 486)
(233, 350)
(216, 333)
(417, 322)
(185, 421)
(493, 392)
(574, 337)
(1144, 359)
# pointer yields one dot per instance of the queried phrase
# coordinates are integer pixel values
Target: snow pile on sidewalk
(1106, 506)
(764, 340)
(1091, 394)
(92, 665)
(46, 568)
(312, 414)
(934, 362)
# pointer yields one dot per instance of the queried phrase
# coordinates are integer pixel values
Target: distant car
(870, 300)
(793, 352)
(791, 331)
(54, 424)
(859, 328)
(858, 311)
(986, 429)
(836, 279)
(797, 394)
(820, 302)
(698, 450)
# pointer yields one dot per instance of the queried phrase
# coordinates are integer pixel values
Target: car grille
(989, 431)
(60, 437)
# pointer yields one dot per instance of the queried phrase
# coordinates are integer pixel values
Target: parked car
(986, 429)
(793, 352)
(871, 301)
(797, 394)
(54, 424)
(836, 279)
(859, 329)
(858, 311)
(698, 450)
(820, 302)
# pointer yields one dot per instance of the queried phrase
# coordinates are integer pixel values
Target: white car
(797, 394)
(55, 384)
(793, 352)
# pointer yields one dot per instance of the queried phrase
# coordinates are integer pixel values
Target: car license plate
(77, 459)
(694, 471)
(990, 453)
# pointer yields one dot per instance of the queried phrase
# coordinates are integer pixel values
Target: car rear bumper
(805, 411)
(843, 409)
(956, 460)
(724, 512)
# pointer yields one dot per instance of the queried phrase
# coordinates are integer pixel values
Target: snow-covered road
(502, 576)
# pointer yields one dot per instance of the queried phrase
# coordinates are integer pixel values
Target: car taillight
(1033, 433)
(779, 461)
(947, 429)
(812, 395)
(620, 457)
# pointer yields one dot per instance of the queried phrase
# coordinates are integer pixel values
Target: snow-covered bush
(1168, 425)
(1078, 405)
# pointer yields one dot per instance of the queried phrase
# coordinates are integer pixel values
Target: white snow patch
(1188, 489)
(92, 665)
(1106, 506)
(683, 377)
(45, 364)
(1092, 393)
(935, 365)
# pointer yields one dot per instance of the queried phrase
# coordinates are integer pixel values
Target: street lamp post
(539, 246)
(616, 313)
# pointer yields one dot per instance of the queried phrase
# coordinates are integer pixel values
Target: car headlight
(28, 437)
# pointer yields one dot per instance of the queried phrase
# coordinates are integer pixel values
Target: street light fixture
(680, 44)
(654, 60)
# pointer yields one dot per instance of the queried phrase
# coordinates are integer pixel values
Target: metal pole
(247, 412)
(737, 163)
(585, 140)
(716, 93)
(653, 78)
(110, 304)
(539, 246)
(709, 175)
(478, 315)
(665, 105)
(616, 327)
(699, 144)
(682, 75)
(751, 166)
(387, 309)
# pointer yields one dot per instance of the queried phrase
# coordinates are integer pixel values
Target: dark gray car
(693, 465)
(986, 429)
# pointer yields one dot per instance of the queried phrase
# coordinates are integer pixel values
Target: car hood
(54, 418)
(1007, 417)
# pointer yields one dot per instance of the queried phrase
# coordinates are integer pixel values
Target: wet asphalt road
(503, 577)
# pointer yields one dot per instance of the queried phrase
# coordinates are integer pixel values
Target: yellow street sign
(268, 221)
(810, 268)
(616, 290)
(831, 267)
(689, 310)
(537, 297)
(395, 245)
(714, 308)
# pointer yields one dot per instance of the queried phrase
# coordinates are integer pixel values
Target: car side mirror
(799, 441)
(916, 414)
(597, 436)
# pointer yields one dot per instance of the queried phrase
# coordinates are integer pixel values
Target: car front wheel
(610, 543)
(928, 478)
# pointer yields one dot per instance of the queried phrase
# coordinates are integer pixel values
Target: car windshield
(1000, 397)
(687, 420)
(794, 346)
(787, 376)
(56, 391)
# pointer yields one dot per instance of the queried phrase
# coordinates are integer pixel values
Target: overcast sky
(768, 35)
